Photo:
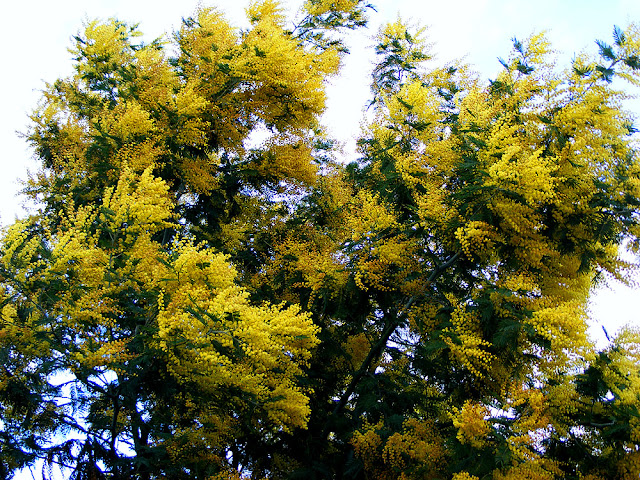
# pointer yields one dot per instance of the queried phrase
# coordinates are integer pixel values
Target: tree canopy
(209, 291)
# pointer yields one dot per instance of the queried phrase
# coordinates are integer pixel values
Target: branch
(441, 268)
(378, 349)
(374, 353)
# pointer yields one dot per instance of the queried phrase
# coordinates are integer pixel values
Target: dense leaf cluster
(208, 292)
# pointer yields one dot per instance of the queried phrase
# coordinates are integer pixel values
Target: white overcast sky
(36, 34)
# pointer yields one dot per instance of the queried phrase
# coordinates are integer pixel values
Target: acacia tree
(130, 345)
(192, 303)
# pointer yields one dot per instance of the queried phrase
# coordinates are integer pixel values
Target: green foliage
(188, 304)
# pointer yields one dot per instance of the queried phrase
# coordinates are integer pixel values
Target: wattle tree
(209, 291)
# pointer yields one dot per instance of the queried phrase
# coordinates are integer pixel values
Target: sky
(35, 36)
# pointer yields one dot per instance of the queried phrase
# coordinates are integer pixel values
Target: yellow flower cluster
(206, 317)
(366, 444)
(477, 239)
(538, 469)
(563, 404)
(629, 466)
(621, 374)
(474, 107)
(109, 354)
(357, 347)
(526, 173)
(227, 84)
(471, 423)
(464, 476)
(200, 173)
(634, 424)
(384, 262)
(315, 258)
(370, 215)
(270, 10)
(208, 332)
(563, 324)
(373, 272)
(126, 121)
(138, 156)
(433, 208)
(227, 475)
(466, 345)
(248, 70)
(419, 444)
(422, 318)
(140, 204)
(20, 333)
(472, 353)
(20, 252)
(289, 158)
(413, 100)
(531, 425)
(104, 42)
(320, 7)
